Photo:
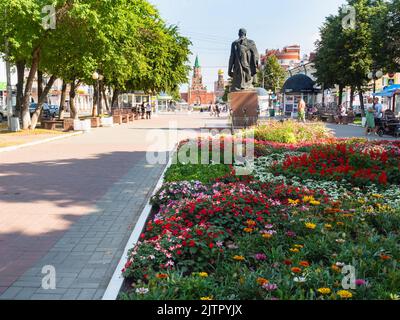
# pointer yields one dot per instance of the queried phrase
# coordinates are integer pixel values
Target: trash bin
(272, 113)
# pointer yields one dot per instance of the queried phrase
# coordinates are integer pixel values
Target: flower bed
(286, 233)
(291, 132)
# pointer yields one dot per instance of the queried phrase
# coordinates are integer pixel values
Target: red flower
(211, 245)
(192, 244)
(383, 179)
(288, 262)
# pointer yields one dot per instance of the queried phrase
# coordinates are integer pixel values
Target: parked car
(3, 113)
(49, 111)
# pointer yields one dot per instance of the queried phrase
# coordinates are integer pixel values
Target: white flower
(142, 291)
(300, 279)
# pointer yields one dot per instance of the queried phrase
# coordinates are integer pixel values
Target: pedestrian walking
(370, 123)
(148, 111)
(143, 110)
(217, 111)
(302, 111)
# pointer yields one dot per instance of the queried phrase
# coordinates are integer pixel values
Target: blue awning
(388, 91)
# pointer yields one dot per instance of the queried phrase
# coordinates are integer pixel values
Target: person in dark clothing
(143, 110)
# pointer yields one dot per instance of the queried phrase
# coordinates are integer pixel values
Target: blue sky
(213, 24)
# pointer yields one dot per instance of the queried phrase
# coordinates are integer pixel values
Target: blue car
(49, 111)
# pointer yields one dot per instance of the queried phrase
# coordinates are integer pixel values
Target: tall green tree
(272, 77)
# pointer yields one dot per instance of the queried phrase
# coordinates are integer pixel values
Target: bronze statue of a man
(243, 63)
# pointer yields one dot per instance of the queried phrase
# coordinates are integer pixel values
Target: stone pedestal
(95, 122)
(244, 105)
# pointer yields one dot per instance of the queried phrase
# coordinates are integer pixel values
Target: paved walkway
(73, 204)
(350, 131)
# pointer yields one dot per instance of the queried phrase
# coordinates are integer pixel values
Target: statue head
(242, 33)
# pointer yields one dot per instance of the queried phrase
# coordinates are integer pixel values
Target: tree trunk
(62, 101)
(95, 102)
(340, 95)
(114, 102)
(105, 98)
(351, 98)
(39, 83)
(72, 95)
(361, 96)
(323, 96)
(20, 87)
(41, 101)
(26, 117)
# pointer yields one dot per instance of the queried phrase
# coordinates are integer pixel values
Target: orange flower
(251, 223)
(248, 230)
(296, 270)
(385, 257)
(262, 281)
(336, 268)
(161, 276)
(305, 264)
(267, 236)
(239, 258)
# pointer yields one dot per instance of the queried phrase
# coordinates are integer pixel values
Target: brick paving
(73, 204)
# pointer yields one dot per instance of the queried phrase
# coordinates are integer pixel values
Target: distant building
(220, 85)
(288, 57)
(197, 93)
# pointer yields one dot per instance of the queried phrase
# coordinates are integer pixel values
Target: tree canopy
(126, 41)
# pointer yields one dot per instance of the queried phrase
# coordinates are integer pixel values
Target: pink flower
(291, 234)
(270, 287)
(260, 257)
(361, 282)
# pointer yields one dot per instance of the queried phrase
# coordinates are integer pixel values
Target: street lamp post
(98, 77)
(375, 75)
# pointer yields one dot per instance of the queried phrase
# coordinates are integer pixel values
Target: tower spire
(197, 63)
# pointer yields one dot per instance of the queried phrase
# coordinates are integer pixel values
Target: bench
(50, 124)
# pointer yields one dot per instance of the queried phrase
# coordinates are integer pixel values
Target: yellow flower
(206, 298)
(308, 199)
(203, 274)
(328, 226)
(315, 203)
(377, 196)
(294, 250)
(298, 246)
(310, 226)
(239, 258)
(294, 202)
(267, 236)
(340, 223)
(324, 291)
(344, 294)
(395, 297)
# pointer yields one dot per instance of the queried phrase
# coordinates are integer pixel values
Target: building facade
(288, 57)
(220, 85)
(197, 94)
